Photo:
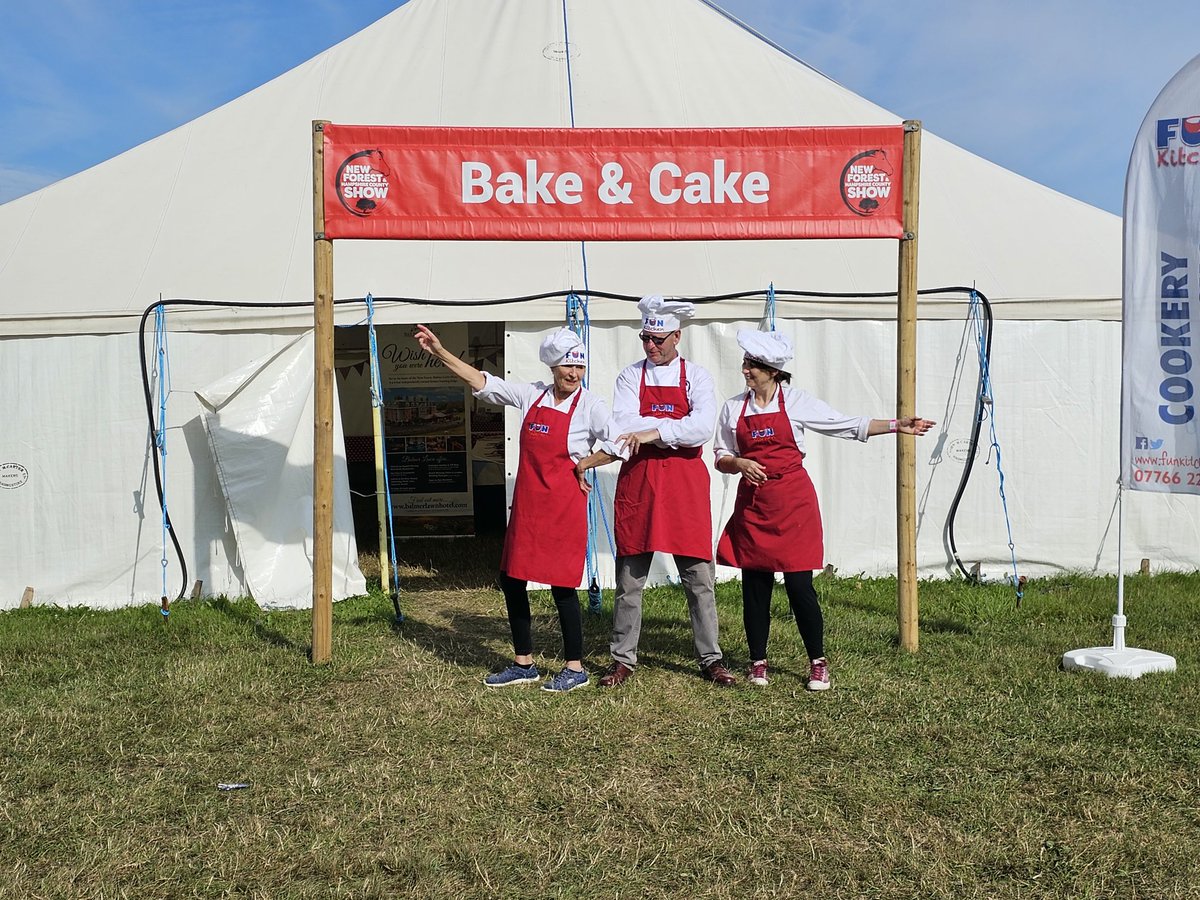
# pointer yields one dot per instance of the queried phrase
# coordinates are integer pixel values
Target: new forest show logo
(866, 183)
(363, 182)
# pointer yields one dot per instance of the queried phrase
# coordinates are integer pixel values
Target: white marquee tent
(220, 209)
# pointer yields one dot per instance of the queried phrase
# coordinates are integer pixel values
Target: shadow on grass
(665, 640)
(879, 610)
(473, 639)
(945, 626)
(248, 613)
(448, 564)
(470, 639)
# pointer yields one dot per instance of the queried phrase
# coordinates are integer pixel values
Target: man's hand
(634, 440)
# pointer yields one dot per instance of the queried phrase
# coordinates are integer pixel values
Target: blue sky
(1052, 90)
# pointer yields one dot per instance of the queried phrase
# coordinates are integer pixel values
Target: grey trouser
(697, 576)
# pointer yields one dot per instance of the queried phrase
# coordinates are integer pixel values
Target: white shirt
(803, 410)
(590, 423)
(693, 430)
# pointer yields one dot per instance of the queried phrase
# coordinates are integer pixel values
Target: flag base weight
(1128, 662)
(1118, 661)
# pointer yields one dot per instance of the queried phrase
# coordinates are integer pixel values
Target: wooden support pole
(906, 395)
(27, 598)
(322, 596)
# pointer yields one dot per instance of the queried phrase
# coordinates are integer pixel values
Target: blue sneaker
(566, 680)
(514, 674)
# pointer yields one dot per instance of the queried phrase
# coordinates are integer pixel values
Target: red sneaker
(818, 675)
(758, 673)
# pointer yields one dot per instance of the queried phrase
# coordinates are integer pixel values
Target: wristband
(892, 426)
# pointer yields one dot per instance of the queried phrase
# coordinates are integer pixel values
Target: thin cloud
(16, 182)
(84, 80)
(1052, 90)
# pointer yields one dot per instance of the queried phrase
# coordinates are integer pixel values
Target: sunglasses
(657, 341)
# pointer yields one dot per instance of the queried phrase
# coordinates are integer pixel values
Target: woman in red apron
(776, 521)
(546, 538)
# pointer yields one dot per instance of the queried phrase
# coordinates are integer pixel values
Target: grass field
(974, 768)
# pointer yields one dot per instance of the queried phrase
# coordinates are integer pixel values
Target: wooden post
(906, 395)
(322, 596)
(382, 499)
(27, 598)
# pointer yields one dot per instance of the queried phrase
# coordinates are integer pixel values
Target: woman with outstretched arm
(776, 522)
(546, 540)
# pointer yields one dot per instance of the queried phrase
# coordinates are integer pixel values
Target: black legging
(802, 597)
(516, 598)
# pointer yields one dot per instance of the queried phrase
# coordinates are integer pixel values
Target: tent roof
(220, 208)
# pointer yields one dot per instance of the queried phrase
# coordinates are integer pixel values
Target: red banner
(600, 184)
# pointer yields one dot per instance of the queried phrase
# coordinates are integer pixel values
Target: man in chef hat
(664, 409)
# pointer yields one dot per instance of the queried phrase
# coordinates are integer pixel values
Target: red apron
(662, 499)
(547, 528)
(775, 526)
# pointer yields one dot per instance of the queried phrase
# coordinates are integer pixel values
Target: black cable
(150, 412)
(154, 456)
(741, 295)
(974, 443)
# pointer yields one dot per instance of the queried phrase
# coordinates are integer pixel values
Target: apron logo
(539, 427)
(662, 407)
(757, 433)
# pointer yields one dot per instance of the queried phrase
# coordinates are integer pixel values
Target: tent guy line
(762, 294)
(157, 309)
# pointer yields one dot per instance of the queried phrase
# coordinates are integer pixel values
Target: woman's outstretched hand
(914, 425)
(428, 340)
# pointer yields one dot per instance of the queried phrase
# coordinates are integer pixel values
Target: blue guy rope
(567, 54)
(377, 403)
(985, 380)
(771, 305)
(595, 596)
(579, 321)
(162, 374)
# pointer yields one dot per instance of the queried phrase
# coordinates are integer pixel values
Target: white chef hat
(767, 347)
(563, 348)
(662, 316)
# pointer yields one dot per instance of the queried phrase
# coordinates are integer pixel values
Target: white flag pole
(1160, 403)
(1119, 661)
(1119, 618)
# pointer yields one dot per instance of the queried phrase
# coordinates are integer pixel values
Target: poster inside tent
(426, 434)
